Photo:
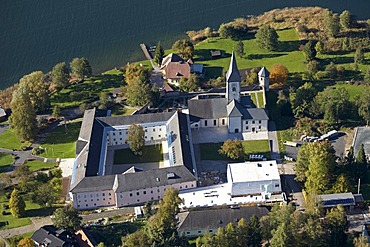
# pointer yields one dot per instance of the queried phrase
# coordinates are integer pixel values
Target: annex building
(96, 181)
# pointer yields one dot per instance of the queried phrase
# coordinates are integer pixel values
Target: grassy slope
(209, 151)
(353, 90)
(152, 153)
(9, 140)
(36, 165)
(6, 160)
(61, 144)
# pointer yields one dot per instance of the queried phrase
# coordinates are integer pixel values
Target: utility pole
(358, 187)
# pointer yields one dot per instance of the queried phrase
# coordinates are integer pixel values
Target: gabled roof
(137, 119)
(171, 58)
(94, 183)
(264, 72)
(152, 178)
(175, 70)
(215, 218)
(233, 109)
(207, 108)
(332, 200)
(233, 74)
(52, 237)
(256, 114)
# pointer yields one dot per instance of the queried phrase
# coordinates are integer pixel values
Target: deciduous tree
(189, 84)
(184, 47)
(67, 218)
(331, 23)
(363, 104)
(267, 38)
(346, 19)
(342, 185)
(137, 239)
(278, 74)
(26, 242)
(35, 86)
(309, 51)
(81, 68)
(251, 76)
(359, 56)
(232, 149)
(17, 205)
(57, 112)
(137, 92)
(135, 72)
(60, 75)
(23, 118)
(301, 100)
(135, 137)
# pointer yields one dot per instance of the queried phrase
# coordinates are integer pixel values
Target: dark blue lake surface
(35, 35)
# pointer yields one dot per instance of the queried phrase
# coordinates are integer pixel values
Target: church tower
(264, 78)
(233, 81)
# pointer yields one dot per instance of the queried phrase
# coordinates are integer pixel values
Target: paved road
(274, 144)
(291, 187)
(39, 222)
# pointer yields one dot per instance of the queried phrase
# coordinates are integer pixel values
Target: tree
(135, 72)
(361, 156)
(56, 112)
(81, 68)
(33, 84)
(359, 55)
(346, 19)
(232, 149)
(26, 242)
(60, 75)
(159, 53)
(342, 185)
(367, 75)
(184, 47)
(189, 84)
(239, 50)
(135, 137)
(224, 31)
(137, 239)
(137, 92)
(208, 32)
(301, 100)
(243, 232)
(23, 118)
(360, 241)
(67, 218)
(267, 38)
(17, 205)
(162, 226)
(278, 74)
(254, 232)
(101, 244)
(331, 23)
(251, 76)
(5, 180)
(363, 104)
(281, 237)
(104, 100)
(309, 51)
(336, 225)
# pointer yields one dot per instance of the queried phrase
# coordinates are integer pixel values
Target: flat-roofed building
(253, 178)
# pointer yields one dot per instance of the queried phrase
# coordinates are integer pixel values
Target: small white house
(252, 178)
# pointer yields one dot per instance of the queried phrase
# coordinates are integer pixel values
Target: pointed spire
(264, 72)
(233, 74)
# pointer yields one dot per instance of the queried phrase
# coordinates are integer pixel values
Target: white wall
(198, 232)
(255, 187)
(258, 125)
(94, 199)
(152, 133)
(235, 123)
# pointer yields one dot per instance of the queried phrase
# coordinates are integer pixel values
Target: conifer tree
(159, 53)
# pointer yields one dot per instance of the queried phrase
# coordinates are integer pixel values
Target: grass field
(36, 165)
(6, 160)
(289, 55)
(260, 100)
(62, 144)
(209, 151)
(353, 90)
(151, 153)
(87, 91)
(9, 140)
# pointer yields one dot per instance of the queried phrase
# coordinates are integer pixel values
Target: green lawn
(61, 143)
(289, 55)
(6, 160)
(120, 110)
(9, 140)
(36, 165)
(151, 153)
(353, 90)
(260, 99)
(87, 91)
(209, 151)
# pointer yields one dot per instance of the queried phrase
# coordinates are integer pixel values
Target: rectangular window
(259, 127)
(130, 194)
(205, 122)
(277, 185)
(214, 122)
(223, 121)
(153, 129)
(246, 127)
(160, 129)
(246, 122)
(159, 135)
(259, 121)
(137, 193)
(109, 194)
(252, 122)
(114, 133)
(103, 194)
(144, 192)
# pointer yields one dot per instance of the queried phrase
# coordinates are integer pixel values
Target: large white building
(253, 178)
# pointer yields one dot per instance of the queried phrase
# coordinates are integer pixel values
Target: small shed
(347, 200)
(216, 54)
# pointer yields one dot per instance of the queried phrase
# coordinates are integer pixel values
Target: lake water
(35, 35)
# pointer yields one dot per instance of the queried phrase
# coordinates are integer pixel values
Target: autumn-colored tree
(138, 92)
(189, 84)
(6, 96)
(184, 47)
(26, 242)
(16, 204)
(278, 74)
(342, 185)
(232, 149)
(135, 71)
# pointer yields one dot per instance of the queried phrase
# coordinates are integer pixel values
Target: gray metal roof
(52, 237)
(233, 74)
(94, 183)
(139, 118)
(264, 72)
(215, 218)
(256, 114)
(332, 200)
(233, 110)
(208, 108)
(152, 178)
